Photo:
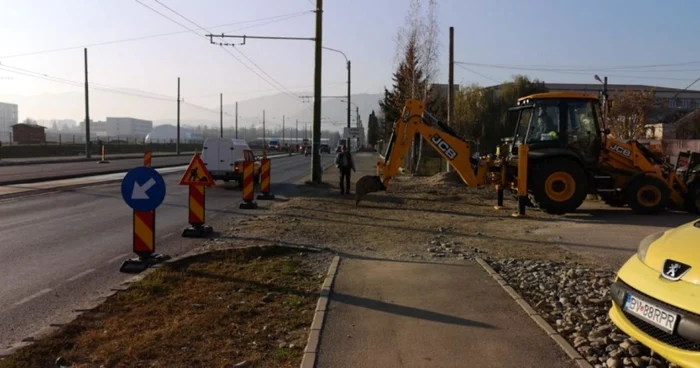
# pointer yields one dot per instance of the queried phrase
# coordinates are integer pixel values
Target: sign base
(248, 205)
(199, 231)
(266, 196)
(140, 264)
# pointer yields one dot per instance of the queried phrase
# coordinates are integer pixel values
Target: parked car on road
(325, 148)
(656, 295)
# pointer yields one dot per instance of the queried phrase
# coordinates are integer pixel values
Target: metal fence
(72, 138)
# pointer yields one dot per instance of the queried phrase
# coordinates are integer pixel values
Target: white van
(223, 158)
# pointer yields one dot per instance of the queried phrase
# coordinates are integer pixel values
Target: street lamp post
(357, 116)
(347, 143)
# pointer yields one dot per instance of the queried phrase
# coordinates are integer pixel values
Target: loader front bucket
(367, 184)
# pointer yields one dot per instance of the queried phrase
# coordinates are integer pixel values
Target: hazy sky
(570, 35)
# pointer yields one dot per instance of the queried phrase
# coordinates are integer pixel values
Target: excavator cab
(556, 124)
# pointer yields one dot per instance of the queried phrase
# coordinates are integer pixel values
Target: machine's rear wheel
(559, 186)
(647, 195)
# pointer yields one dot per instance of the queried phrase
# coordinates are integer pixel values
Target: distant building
(167, 133)
(8, 117)
(97, 128)
(128, 127)
(28, 133)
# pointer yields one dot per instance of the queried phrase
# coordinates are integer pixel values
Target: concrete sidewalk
(385, 313)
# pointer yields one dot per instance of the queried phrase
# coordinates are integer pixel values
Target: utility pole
(316, 170)
(88, 152)
(236, 119)
(264, 145)
(297, 133)
(347, 141)
(221, 115)
(177, 144)
(451, 85)
(283, 130)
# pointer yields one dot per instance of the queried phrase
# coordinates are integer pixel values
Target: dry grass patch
(211, 310)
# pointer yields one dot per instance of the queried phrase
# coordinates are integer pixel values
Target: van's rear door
(226, 155)
(210, 154)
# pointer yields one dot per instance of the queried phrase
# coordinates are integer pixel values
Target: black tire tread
(631, 194)
(539, 176)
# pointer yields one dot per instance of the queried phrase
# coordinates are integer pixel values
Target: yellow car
(656, 295)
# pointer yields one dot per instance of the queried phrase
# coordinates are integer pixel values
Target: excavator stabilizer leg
(367, 184)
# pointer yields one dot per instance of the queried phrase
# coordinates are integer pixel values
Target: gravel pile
(575, 300)
(440, 247)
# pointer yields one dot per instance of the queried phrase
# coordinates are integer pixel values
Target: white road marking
(118, 258)
(81, 274)
(34, 296)
(167, 235)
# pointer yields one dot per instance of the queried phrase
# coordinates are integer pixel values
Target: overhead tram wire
(103, 88)
(228, 52)
(477, 73)
(285, 89)
(557, 71)
(589, 69)
(270, 20)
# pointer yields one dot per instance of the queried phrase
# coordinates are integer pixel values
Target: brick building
(28, 133)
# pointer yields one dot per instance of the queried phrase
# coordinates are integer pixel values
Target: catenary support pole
(88, 152)
(316, 170)
(177, 144)
(451, 85)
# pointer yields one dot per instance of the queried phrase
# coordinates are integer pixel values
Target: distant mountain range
(71, 105)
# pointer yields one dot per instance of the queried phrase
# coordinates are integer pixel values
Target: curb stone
(541, 322)
(311, 350)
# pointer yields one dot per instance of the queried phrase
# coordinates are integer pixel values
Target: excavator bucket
(367, 184)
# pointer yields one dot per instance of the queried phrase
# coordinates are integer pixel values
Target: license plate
(651, 313)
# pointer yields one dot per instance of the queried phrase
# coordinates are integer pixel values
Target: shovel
(367, 184)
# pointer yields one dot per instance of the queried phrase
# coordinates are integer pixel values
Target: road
(611, 235)
(59, 159)
(60, 250)
(39, 172)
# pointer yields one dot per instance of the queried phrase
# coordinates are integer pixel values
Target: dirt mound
(445, 178)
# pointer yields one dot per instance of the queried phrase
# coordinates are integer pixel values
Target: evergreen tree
(372, 129)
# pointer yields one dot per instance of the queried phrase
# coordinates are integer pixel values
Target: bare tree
(421, 33)
(629, 113)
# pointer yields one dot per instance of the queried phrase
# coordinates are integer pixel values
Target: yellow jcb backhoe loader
(569, 156)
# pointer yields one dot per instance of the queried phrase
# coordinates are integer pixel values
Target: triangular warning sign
(197, 173)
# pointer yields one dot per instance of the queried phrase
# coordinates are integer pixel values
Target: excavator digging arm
(415, 120)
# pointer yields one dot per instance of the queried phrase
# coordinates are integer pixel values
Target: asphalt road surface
(12, 174)
(54, 171)
(60, 250)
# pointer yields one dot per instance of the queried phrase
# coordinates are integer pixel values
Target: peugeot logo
(674, 270)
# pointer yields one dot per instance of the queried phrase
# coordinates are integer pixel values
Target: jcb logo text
(444, 147)
(621, 150)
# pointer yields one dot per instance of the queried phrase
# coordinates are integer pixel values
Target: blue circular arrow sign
(143, 189)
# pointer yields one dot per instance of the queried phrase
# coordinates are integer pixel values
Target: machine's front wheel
(558, 186)
(647, 195)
